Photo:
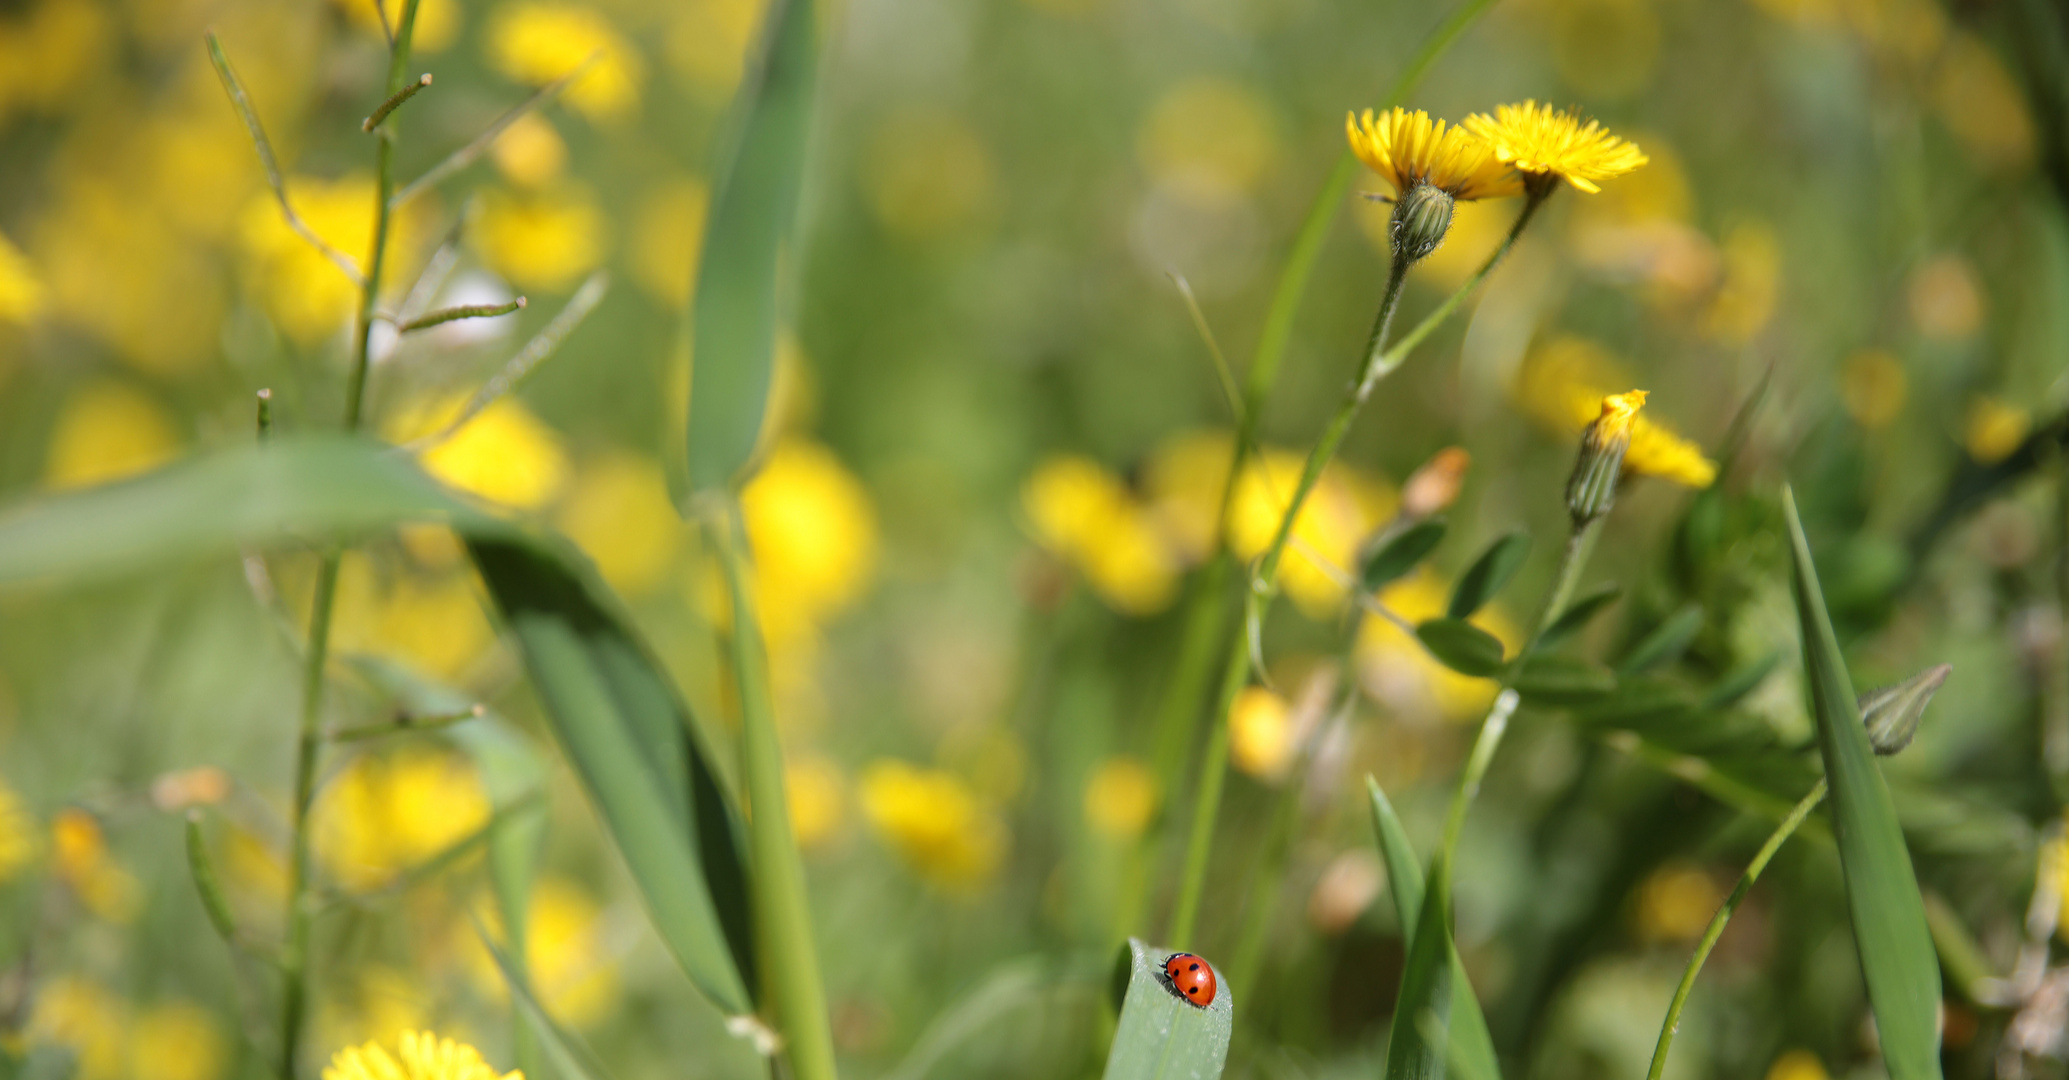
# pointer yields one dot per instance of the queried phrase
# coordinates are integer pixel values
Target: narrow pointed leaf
(1667, 641)
(1401, 553)
(1736, 684)
(1488, 574)
(1578, 614)
(570, 1058)
(1890, 930)
(1160, 1035)
(1563, 680)
(738, 296)
(1461, 646)
(1426, 987)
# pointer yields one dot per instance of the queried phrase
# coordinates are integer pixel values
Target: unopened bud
(1893, 712)
(1422, 216)
(1434, 487)
(1592, 489)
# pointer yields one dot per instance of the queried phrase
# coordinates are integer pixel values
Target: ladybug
(1190, 978)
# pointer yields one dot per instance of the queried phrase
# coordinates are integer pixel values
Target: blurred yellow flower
(1544, 142)
(1873, 386)
(19, 835)
(385, 813)
(668, 237)
(1752, 268)
(927, 173)
(505, 454)
(541, 239)
(935, 822)
(1400, 674)
(708, 42)
(376, 1004)
(1563, 383)
(1994, 429)
(1797, 1065)
(1260, 727)
(575, 978)
(86, 1018)
(48, 51)
(108, 430)
(432, 622)
(255, 872)
(1344, 508)
(813, 532)
(307, 295)
(79, 854)
(419, 1055)
(176, 1040)
(430, 546)
(1675, 903)
(1407, 148)
(530, 152)
(817, 796)
(21, 290)
(101, 239)
(618, 512)
(1946, 299)
(1120, 797)
(438, 21)
(1981, 103)
(1182, 481)
(538, 41)
(1606, 49)
(1208, 140)
(1087, 516)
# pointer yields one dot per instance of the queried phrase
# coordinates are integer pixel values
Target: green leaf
(571, 1059)
(1667, 641)
(1401, 553)
(1578, 614)
(1470, 1039)
(1488, 574)
(1461, 646)
(1161, 1035)
(1427, 981)
(631, 739)
(1563, 680)
(1889, 924)
(1736, 684)
(738, 298)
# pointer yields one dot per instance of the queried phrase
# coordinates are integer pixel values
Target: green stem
(1716, 927)
(791, 984)
(295, 956)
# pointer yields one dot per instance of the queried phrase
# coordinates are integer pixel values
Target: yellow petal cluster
(1563, 386)
(1408, 148)
(538, 42)
(1085, 514)
(935, 822)
(387, 813)
(420, 1056)
(79, 852)
(1539, 140)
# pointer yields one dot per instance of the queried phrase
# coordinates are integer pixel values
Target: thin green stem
(1717, 921)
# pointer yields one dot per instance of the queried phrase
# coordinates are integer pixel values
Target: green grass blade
(630, 738)
(1578, 614)
(1426, 986)
(570, 1058)
(1666, 642)
(1889, 924)
(1162, 1036)
(736, 308)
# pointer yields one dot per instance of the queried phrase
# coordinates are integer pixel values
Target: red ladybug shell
(1191, 977)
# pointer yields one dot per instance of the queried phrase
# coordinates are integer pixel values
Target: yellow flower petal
(1408, 147)
(1540, 140)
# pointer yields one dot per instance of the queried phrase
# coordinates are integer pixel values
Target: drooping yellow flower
(107, 430)
(1618, 417)
(539, 41)
(1407, 148)
(389, 812)
(504, 454)
(1541, 141)
(420, 1056)
(935, 822)
(19, 842)
(79, 853)
(575, 977)
(1120, 796)
(1656, 451)
(1563, 384)
(618, 512)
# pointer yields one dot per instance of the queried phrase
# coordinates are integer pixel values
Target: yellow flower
(19, 842)
(537, 42)
(935, 822)
(928, 173)
(1120, 797)
(1797, 1065)
(21, 290)
(86, 1018)
(432, 622)
(438, 21)
(1619, 415)
(1656, 451)
(1260, 727)
(1994, 429)
(817, 797)
(1407, 148)
(708, 42)
(79, 853)
(1543, 142)
(504, 455)
(1341, 511)
(304, 291)
(377, 1003)
(1562, 384)
(387, 813)
(1208, 140)
(667, 235)
(544, 239)
(1086, 515)
(1873, 387)
(575, 978)
(530, 152)
(813, 531)
(619, 514)
(420, 1056)
(176, 1040)
(1676, 902)
(105, 431)
(1402, 675)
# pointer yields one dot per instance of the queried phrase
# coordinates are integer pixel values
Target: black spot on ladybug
(1194, 967)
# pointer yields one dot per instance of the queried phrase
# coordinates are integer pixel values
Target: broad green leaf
(1161, 1035)
(630, 738)
(1889, 925)
(739, 297)
(1401, 553)
(1488, 574)
(1667, 641)
(1563, 680)
(1470, 1039)
(1461, 646)
(1578, 614)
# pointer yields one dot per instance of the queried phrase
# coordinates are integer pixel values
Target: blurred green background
(991, 463)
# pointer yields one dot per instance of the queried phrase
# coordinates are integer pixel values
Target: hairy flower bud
(1891, 713)
(1592, 489)
(1422, 216)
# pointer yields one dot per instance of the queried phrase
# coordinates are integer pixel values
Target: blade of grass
(1162, 1036)
(1894, 941)
(572, 1059)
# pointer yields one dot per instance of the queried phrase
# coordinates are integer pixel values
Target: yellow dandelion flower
(530, 152)
(1084, 513)
(505, 454)
(19, 840)
(177, 1040)
(1120, 797)
(935, 823)
(538, 42)
(1656, 451)
(301, 288)
(1542, 142)
(420, 1056)
(105, 431)
(386, 813)
(1562, 384)
(1407, 148)
(618, 512)
(1676, 902)
(1797, 1065)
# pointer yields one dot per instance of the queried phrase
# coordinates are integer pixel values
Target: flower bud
(1592, 489)
(1892, 712)
(1422, 216)
(1434, 487)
